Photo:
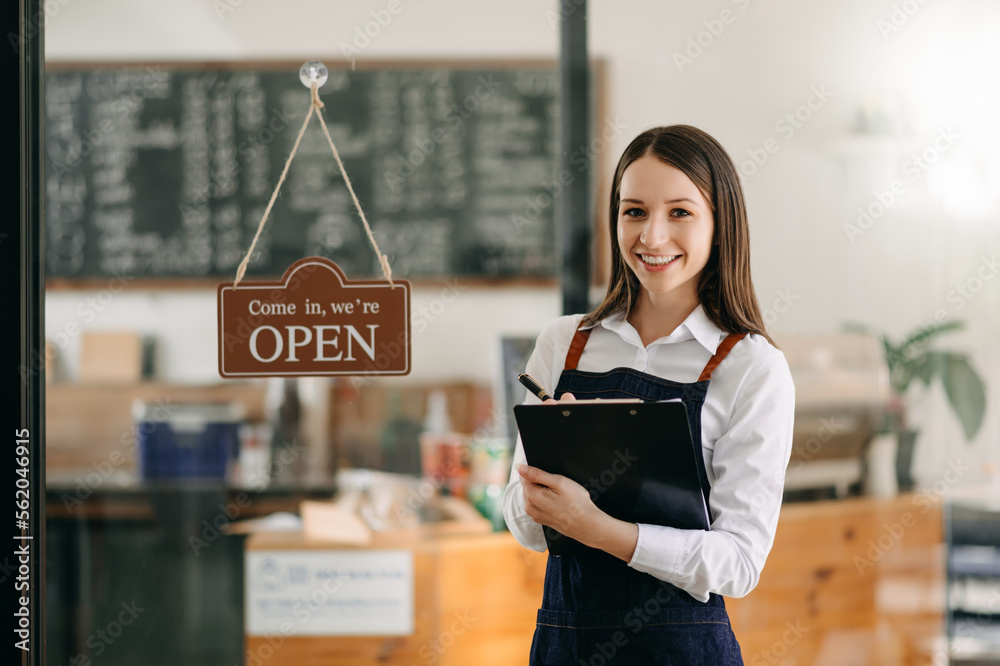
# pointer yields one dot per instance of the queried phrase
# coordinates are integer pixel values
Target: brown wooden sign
(314, 322)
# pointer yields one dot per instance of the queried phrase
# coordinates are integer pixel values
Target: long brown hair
(725, 288)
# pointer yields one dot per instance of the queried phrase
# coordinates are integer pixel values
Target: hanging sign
(314, 322)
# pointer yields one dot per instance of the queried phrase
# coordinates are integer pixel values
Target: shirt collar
(697, 326)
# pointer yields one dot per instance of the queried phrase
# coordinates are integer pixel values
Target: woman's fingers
(555, 500)
(566, 397)
(535, 475)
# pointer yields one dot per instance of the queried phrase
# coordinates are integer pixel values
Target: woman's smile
(658, 262)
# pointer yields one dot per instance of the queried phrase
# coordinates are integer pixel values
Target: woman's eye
(633, 212)
(680, 212)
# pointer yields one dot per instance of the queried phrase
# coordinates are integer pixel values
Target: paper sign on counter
(329, 593)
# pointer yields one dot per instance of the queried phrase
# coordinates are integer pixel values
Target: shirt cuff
(524, 528)
(659, 551)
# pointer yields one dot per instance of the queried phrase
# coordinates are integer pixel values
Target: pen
(533, 386)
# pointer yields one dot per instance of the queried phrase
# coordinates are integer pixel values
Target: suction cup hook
(314, 70)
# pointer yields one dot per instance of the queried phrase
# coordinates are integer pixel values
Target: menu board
(164, 171)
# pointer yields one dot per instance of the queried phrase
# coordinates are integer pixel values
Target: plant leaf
(924, 334)
(965, 390)
(899, 375)
(925, 366)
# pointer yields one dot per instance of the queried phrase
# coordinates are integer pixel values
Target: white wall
(938, 69)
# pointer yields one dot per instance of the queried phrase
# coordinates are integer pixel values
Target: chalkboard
(164, 171)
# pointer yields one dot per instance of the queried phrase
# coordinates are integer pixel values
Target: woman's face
(665, 230)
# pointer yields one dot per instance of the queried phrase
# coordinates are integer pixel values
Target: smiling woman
(679, 301)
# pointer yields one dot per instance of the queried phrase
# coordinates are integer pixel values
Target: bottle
(286, 450)
(490, 468)
(443, 453)
(400, 441)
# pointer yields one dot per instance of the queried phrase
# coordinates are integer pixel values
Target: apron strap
(576, 348)
(581, 336)
(724, 348)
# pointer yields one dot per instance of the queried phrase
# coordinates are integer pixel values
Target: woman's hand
(558, 502)
(564, 505)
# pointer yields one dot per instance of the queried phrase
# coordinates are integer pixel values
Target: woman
(680, 320)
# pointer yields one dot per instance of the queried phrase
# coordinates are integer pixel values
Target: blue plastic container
(187, 440)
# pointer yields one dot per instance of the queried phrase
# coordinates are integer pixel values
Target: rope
(316, 105)
(382, 259)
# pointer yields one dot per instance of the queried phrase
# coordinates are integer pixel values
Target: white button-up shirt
(746, 431)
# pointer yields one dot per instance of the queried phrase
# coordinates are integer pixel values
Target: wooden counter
(475, 603)
(856, 581)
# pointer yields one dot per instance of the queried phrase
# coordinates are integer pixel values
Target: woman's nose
(655, 232)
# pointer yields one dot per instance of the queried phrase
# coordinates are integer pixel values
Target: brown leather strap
(576, 348)
(724, 348)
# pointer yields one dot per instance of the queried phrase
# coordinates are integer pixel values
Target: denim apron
(597, 610)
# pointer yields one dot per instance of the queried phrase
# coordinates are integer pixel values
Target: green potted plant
(916, 358)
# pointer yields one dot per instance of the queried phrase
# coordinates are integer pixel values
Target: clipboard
(636, 459)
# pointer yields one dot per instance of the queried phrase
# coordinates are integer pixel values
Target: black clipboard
(636, 459)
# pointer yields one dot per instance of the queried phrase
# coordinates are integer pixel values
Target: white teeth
(658, 260)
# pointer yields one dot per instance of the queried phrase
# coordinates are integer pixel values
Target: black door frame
(22, 559)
